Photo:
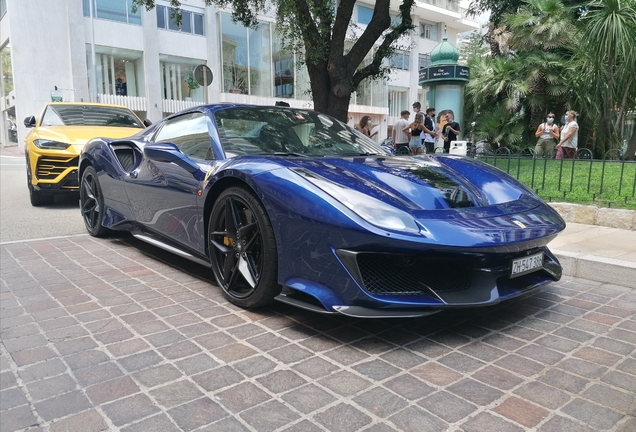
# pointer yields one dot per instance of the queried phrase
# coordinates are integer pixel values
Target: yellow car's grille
(50, 167)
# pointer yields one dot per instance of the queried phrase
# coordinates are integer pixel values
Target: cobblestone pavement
(111, 334)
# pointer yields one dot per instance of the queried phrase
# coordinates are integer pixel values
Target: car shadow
(452, 327)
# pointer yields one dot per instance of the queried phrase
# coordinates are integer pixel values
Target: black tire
(38, 198)
(243, 249)
(92, 203)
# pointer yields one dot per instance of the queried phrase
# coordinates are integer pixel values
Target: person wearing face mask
(365, 126)
(547, 133)
(569, 136)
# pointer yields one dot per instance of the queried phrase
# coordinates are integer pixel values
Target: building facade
(100, 50)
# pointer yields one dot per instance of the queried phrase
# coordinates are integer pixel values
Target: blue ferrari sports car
(292, 205)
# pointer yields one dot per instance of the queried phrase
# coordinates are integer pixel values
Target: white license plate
(521, 266)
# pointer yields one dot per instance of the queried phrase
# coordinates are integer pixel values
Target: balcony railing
(135, 103)
(451, 5)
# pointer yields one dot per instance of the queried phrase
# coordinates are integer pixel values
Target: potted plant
(235, 78)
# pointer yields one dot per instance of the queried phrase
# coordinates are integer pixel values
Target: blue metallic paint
(311, 226)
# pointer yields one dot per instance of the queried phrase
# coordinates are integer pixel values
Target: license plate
(521, 266)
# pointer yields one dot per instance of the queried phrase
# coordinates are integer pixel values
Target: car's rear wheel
(243, 249)
(38, 198)
(92, 203)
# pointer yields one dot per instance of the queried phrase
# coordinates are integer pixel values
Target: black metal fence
(609, 182)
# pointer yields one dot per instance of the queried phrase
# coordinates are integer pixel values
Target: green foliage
(605, 183)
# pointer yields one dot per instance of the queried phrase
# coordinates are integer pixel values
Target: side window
(190, 133)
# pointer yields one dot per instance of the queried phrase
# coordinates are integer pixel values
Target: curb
(598, 269)
(593, 215)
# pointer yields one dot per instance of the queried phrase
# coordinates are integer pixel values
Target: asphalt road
(19, 220)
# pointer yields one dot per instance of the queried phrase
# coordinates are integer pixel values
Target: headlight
(368, 208)
(50, 145)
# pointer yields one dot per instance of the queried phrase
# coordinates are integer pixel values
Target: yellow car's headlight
(50, 145)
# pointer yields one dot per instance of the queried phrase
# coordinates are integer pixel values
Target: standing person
(430, 131)
(417, 107)
(569, 136)
(365, 126)
(450, 131)
(416, 128)
(400, 138)
(547, 133)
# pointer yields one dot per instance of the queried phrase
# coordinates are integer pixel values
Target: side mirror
(29, 121)
(169, 153)
(147, 122)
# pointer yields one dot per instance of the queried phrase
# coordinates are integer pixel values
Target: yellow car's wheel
(38, 198)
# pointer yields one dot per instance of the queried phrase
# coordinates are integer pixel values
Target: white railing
(173, 106)
(451, 5)
(135, 103)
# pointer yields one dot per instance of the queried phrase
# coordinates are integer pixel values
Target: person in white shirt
(547, 133)
(400, 138)
(569, 136)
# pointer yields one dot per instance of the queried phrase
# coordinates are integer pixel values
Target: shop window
(177, 79)
(118, 72)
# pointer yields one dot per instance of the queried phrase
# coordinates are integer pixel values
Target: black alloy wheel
(38, 198)
(92, 203)
(242, 249)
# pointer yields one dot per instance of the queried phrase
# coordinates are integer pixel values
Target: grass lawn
(604, 183)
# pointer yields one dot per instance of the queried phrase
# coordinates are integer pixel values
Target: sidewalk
(597, 253)
(11, 151)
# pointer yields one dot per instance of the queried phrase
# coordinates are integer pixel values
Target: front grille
(50, 167)
(391, 274)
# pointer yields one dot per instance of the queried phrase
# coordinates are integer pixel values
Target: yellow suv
(53, 146)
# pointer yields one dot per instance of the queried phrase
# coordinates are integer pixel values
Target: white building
(99, 50)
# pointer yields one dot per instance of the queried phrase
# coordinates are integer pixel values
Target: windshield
(89, 115)
(275, 130)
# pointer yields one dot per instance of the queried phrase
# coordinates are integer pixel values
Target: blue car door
(164, 191)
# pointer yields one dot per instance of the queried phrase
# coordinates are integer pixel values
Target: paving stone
(11, 398)
(290, 354)
(228, 424)
(436, 374)
(46, 388)
(42, 370)
(408, 387)
(7, 380)
(488, 422)
(377, 370)
(416, 419)
(619, 379)
(615, 346)
(460, 362)
(606, 396)
(254, 366)
(446, 406)
(543, 395)
(160, 422)
(25, 342)
(86, 358)
(17, 419)
(140, 361)
(475, 392)
(522, 412)
(241, 397)
(598, 356)
(63, 405)
(315, 367)
(96, 374)
(597, 417)
(218, 378)
(540, 354)
(564, 381)
(128, 347)
(343, 417)
(281, 381)
(111, 390)
(87, 421)
(345, 383)
(129, 409)
(233, 352)
(176, 393)
(582, 367)
(196, 414)
(308, 398)
(35, 355)
(497, 377)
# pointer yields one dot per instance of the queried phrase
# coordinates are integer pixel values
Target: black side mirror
(147, 122)
(29, 121)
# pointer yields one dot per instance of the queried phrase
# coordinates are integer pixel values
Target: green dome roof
(444, 54)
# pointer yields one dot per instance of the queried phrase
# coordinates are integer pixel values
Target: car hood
(79, 135)
(481, 205)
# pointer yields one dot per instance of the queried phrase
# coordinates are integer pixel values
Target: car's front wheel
(92, 203)
(38, 198)
(243, 249)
